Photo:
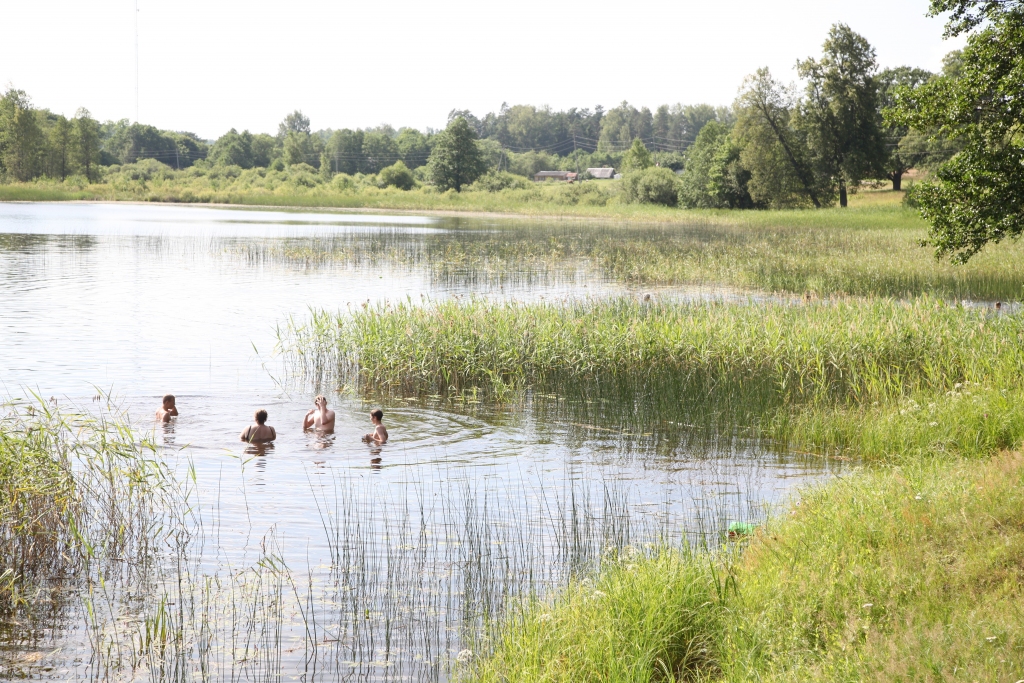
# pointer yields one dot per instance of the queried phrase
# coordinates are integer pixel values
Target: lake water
(353, 562)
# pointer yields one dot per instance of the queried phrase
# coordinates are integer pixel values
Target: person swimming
(167, 410)
(320, 418)
(260, 432)
(379, 435)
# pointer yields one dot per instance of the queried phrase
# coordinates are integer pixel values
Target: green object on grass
(741, 528)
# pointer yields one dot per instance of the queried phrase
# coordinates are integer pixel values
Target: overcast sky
(207, 66)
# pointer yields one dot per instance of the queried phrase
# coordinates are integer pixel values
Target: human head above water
(320, 399)
(168, 400)
(261, 416)
(377, 414)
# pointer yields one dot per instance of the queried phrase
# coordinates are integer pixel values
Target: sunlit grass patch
(913, 573)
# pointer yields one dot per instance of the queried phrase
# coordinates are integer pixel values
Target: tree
(413, 147)
(977, 197)
(233, 149)
(397, 175)
(21, 138)
(296, 122)
(455, 160)
(651, 186)
(637, 158)
(325, 165)
(840, 111)
(903, 153)
(379, 151)
(713, 177)
(345, 148)
(87, 143)
(781, 173)
(61, 137)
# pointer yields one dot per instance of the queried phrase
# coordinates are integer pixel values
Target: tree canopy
(456, 160)
(977, 197)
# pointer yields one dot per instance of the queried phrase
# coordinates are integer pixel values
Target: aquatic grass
(870, 251)
(738, 360)
(74, 488)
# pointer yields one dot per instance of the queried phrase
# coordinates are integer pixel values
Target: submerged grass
(869, 251)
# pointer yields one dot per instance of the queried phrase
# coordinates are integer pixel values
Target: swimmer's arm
(307, 421)
(273, 434)
(173, 411)
(245, 434)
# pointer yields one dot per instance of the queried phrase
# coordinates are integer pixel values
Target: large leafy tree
(902, 152)
(87, 143)
(840, 109)
(61, 137)
(781, 171)
(977, 197)
(713, 177)
(455, 160)
(21, 138)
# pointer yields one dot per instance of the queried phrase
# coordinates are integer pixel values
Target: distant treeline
(775, 146)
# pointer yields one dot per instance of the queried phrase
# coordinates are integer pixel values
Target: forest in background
(846, 122)
(777, 145)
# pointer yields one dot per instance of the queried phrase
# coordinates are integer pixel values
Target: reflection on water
(320, 555)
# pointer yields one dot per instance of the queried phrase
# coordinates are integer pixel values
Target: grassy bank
(299, 189)
(912, 573)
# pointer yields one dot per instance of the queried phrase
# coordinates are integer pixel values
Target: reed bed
(825, 254)
(414, 584)
(81, 501)
(741, 359)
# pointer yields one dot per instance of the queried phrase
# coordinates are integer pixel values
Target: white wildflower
(464, 656)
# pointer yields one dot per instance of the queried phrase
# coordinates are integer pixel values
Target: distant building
(566, 176)
(601, 173)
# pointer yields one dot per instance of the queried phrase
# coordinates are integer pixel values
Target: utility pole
(575, 154)
(136, 61)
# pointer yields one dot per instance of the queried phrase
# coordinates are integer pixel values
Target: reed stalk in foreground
(75, 489)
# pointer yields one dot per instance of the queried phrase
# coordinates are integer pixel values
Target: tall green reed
(735, 360)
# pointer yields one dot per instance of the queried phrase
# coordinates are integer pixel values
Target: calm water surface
(354, 563)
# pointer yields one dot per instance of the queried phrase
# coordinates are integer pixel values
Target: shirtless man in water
(379, 435)
(260, 432)
(320, 418)
(167, 410)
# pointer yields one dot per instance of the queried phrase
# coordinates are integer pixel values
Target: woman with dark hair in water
(260, 432)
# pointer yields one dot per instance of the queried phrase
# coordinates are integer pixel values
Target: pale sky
(207, 66)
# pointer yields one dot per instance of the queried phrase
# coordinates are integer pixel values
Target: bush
(397, 175)
(587, 194)
(496, 181)
(651, 186)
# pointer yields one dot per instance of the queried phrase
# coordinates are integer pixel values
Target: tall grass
(906, 574)
(867, 252)
(74, 488)
(743, 359)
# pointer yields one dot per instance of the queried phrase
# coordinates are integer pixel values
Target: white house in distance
(601, 173)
